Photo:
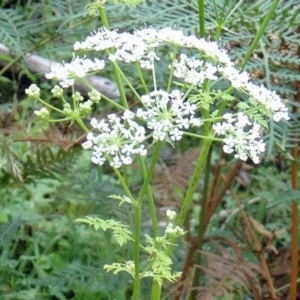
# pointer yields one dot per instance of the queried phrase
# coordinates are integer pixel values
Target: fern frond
(7, 230)
(167, 179)
(10, 160)
(49, 163)
(261, 229)
(226, 274)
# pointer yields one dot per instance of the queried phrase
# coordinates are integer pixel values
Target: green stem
(173, 55)
(203, 137)
(156, 290)
(112, 102)
(155, 156)
(260, 32)
(103, 17)
(137, 219)
(115, 65)
(120, 85)
(201, 230)
(124, 185)
(82, 125)
(150, 200)
(201, 18)
(194, 183)
(152, 212)
(58, 120)
(141, 77)
(156, 287)
(128, 83)
(136, 253)
(50, 106)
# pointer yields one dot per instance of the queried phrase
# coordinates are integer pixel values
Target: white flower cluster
(141, 44)
(167, 114)
(272, 101)
(193, 70)
(119, 139)
(171, 214)
(33, 91)
(67, 73)
(242, 136)
(43, 113)
(174, 231)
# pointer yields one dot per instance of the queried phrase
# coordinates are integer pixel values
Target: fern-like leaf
(121, 233)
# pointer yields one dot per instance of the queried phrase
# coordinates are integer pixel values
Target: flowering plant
(190, 103)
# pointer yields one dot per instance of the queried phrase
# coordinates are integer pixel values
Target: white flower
(33, 91)
(43, 113)
(171, 214)
(67, 73)
(94, 95)
(57, 91)
(166, 114)
(194, 71)
(270, 100)
(242, 136)
(77, 97)
(238, 80)
(175, 232)
(141, 45)
(117, 139)
(86, 107)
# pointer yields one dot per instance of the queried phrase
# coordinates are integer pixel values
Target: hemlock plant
(187, 105)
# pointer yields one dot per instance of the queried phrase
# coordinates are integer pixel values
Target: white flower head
(67, 73)
(33, 91)
(43, 113)
(167, 114)
(116, 139)
(194, 71)
(57, 91)
(242, 136)
(270, 100)
(171, 214)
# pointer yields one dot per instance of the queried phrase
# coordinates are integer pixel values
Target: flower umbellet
(117, 139)
(167, 114)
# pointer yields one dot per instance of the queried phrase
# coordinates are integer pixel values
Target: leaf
(121, 233)
(122, 199)
(128, 267)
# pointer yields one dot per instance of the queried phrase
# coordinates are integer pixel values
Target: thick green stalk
(260, 33)
(201, 18)
(156, 290)
(155, 156)
(137, 220)
(136, 253)
(194, 182)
